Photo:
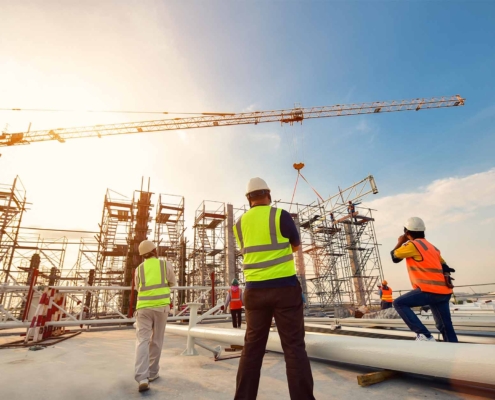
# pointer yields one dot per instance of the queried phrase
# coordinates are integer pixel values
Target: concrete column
(299, 256)
(355, 265)
(230, 246)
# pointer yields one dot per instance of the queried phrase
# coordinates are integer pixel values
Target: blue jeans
(439, 304)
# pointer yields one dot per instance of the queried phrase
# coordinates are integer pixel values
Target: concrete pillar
(355, 265)
(230, 246)
(301, 268)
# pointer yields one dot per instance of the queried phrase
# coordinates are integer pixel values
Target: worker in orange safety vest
(386, 295)
(431, 281)
(235, 300)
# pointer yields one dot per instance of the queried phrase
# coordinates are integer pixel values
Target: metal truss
(289, 116)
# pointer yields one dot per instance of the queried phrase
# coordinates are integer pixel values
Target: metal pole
(230, 248)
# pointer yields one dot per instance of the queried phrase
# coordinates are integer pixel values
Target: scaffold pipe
(457, 361)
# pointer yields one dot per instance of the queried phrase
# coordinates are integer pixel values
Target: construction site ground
(100, 365)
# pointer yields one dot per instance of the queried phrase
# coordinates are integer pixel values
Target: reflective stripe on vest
(153, 289)
(427, 274)
(387, 295)
(267, 254)
(235, 302)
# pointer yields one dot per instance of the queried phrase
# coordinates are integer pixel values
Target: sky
(236, 56)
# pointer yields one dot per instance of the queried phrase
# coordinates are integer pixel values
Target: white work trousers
(150, 329)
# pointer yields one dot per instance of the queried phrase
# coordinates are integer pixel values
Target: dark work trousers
(439, 304)
(285, 304)
(236, 318)
(386, 304)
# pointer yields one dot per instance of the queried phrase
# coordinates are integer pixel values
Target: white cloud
(459, 220)
(442, 202)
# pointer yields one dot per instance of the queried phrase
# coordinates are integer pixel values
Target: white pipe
(460, 361)
(409, 334)
(399, 323)
(115, 321)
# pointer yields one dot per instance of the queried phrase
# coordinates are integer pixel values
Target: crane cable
(298, 167)
(115, 111)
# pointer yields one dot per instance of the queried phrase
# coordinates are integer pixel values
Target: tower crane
(287, 116)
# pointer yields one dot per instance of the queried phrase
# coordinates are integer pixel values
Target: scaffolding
(208, 260)
(12, 208)
(104, 264)
(169, 234)
(340, 251)
(338, 263)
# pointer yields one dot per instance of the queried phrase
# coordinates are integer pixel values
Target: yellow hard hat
(146, 246)
(384, 283)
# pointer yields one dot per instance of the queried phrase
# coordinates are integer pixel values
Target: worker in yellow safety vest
(386, 296)
(431, 281)
(153, 279)
(267, 237)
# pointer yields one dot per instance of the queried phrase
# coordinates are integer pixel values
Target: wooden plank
(375, 377)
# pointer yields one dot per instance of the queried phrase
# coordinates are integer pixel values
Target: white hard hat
(146, 246)
(415, 224)
(256, 184)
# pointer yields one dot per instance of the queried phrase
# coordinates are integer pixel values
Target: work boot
(144, 385)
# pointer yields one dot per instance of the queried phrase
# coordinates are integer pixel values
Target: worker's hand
(402, 239)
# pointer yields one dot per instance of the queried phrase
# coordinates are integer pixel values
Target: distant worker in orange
(430, 278)
(385, 295)
(234, 298)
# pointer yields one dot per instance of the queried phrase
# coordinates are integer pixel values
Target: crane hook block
(298, 166)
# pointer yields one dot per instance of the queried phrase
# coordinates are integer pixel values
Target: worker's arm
(404, 249)
(288, 230)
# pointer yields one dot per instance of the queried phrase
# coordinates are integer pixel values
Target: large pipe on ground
(457, 361)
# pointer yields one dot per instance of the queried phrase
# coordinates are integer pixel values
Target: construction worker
(267, 237)
(234, 298)
(430, 278)
(351, 209)
(386, 296)
(332, 220)
(153, 280)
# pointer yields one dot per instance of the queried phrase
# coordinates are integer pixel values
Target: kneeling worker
(430, 278)
(153, 280)
(267, 237)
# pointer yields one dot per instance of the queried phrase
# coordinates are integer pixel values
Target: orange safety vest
(427, 274)
(387, 295)
(235, 300)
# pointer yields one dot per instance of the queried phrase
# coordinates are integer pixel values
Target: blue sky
(237, 56)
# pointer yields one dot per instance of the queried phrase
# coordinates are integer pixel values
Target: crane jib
(289, 116)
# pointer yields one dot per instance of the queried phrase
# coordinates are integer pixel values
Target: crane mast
(289, 116)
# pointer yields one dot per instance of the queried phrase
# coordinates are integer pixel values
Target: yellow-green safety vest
(266, 253)
(153, 289)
